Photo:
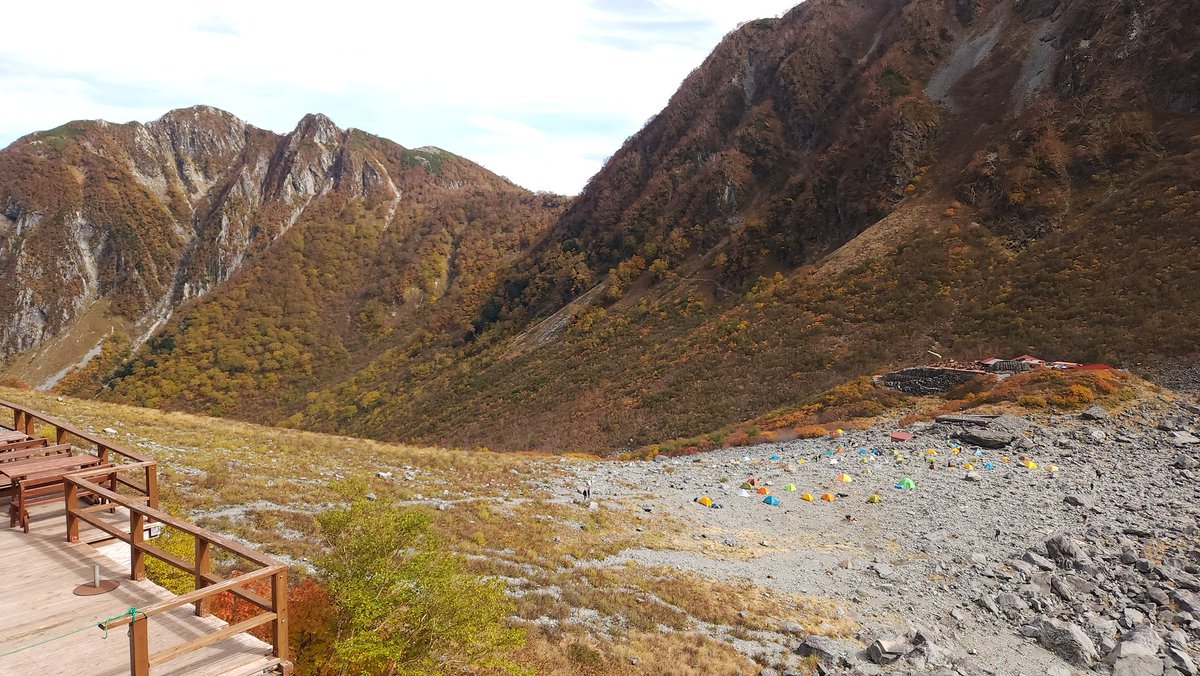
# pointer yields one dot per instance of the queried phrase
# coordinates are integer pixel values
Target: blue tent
(774, 457)
(771, 500)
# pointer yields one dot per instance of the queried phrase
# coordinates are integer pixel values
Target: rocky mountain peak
(203, 141)
(319, 128)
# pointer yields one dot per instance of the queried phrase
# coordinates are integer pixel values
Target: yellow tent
(706, 501)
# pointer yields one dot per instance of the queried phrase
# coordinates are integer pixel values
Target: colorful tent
(874, 499)
(706, 501)
(762, 490)
(746, 485)
(790, 487)
(906, 482)
(807, 497)
(774, 457)
(845, 478)
(828, 497)
(771, 500)
(743, 493)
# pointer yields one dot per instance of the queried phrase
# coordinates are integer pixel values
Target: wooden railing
(140, 499)
(26, 420)
(207, 583)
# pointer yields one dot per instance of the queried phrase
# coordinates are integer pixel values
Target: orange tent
(762, 490)
(828, 497)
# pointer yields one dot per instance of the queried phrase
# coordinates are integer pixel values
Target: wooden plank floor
(38, 573)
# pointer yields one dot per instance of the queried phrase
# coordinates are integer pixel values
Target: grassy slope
(264, 484)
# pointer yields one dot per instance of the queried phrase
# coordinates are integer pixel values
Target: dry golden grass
(723, 603)
(209, 463)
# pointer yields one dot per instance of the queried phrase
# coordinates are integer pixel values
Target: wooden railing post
(71, 498)
(139, 646)
(30, 421)
(152, 485)
(137, 557)
(18, 419)
(203, 567)
(279, 605)
(102, 453)
(60, 435)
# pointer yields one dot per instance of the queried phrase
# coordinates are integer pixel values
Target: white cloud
(538, 90)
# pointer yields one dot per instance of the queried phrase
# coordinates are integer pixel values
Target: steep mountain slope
(317, 243)
(835, 192)
(829, 194)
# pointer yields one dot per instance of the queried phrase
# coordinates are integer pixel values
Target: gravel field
(1072, 548)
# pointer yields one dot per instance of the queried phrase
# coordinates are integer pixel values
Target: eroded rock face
(147, 216)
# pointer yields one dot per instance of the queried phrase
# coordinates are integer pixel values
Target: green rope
(132, 612)
(47, 640)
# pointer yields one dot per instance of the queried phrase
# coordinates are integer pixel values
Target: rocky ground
(1053, 545)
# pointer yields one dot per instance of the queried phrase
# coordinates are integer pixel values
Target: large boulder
(1069, 642)
(985, 438)
(825, 650)
(1066, 552)
(1134, 658)
(886, 651)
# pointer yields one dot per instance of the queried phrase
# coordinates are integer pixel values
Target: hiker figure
(587, 490)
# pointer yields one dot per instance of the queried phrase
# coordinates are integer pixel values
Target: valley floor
(942, 562)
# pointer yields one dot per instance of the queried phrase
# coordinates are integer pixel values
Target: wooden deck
(38, 574)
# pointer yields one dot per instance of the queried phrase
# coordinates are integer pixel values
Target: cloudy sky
(540, 91)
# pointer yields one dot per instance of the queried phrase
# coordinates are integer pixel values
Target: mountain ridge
(151, 216)
(829, 194)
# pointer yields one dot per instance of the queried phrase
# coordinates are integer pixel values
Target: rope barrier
(45, 641)
(132, 612)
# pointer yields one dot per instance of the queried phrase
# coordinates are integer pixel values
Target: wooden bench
(41, 488)
(34, 452)
(28, 443)
(27, 452)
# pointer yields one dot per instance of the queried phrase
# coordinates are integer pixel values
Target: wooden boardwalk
(38, 574)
